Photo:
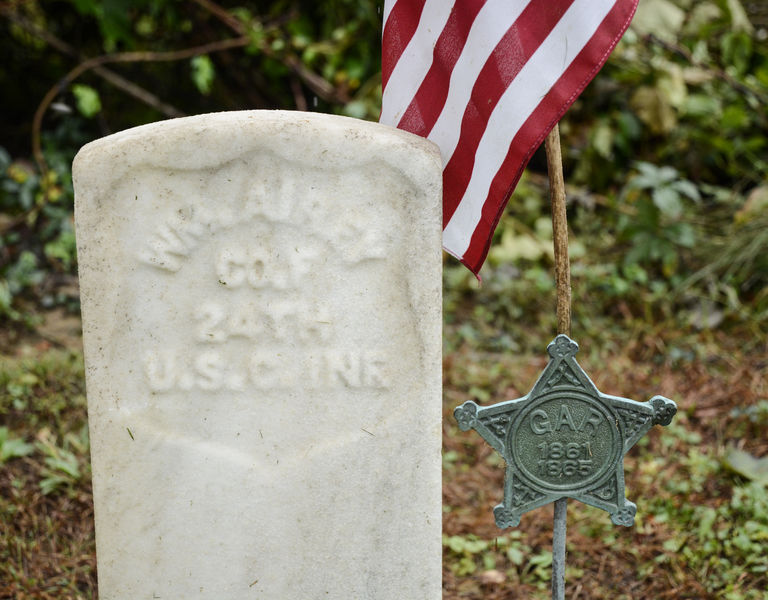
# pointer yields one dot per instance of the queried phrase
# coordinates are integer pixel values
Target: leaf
(5, 159)
(747, 465)
(356, 109)
(653, 108)
(700, 105)
(456, 544)
(702, 14)
(736, 48)
(683, 234)
(66, 462)
(515, 555)
(602, 140)
(672, 85)
(6, 299)
(543, 560)
(519, 247)
(659, 17)
(686, 188)
(63, 248)
(647, 178)
(739, 19)
(755, 205)
(203, 73)
(12, 447)
(87, 100)
(48, 485)
(667, 201)
(734, 117)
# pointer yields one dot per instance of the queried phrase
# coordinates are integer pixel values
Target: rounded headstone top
(197, 141)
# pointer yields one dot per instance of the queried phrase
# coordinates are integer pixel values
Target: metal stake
(558, 549)
(563, 280)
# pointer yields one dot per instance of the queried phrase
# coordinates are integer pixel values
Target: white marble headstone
(261, 319)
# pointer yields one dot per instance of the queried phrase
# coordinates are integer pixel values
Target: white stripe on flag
(388, 4)
(491, 24)
(415, 61)
(518, 102)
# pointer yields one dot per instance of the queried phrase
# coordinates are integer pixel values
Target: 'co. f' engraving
(259, 267)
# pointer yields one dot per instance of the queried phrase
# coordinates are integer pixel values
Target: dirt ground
(685, 543)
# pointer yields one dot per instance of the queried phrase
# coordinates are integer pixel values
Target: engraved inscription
(210, 370)
(171, 243)
(258, 267)
(256, 329)
(218, 322)
(564, 441)
(541, 424)
(275, 197)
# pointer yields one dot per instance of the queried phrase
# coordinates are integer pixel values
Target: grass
(46, 508)
(702, 525)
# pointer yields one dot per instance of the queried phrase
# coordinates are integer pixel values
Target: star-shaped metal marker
(564, 439)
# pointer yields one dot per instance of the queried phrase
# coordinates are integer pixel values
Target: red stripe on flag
(398, 31)
(425, 108)
(507, 59)
(530, 136)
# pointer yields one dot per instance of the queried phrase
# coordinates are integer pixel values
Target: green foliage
(12, 447)
(722, 544)
(36, 233)
(696, 85)
(203, 73)
(655, 230)
(743, 463)
(667, 151)
(719, 541)
(469, 550)
(62, 470)
(87, 99)
(47, 393)
(45, 398)
(46, 538)
(469, 554)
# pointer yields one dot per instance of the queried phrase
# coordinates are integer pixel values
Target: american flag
(486, 80)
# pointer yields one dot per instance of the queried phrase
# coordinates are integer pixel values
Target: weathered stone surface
(261, 319)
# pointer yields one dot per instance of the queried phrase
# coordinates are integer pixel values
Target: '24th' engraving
(216, 322)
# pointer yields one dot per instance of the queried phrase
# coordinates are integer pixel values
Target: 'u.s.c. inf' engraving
(564, 439)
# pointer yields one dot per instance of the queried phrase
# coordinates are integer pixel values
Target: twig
(129, 87)
(122, 57)
(298, 94)
(223, 15)
(312, 80)
(719, 73)
(138, 92)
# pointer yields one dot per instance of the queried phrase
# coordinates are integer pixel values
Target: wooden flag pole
(560, 231)
(563, 282)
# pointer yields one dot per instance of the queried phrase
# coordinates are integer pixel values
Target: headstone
(261, 299)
